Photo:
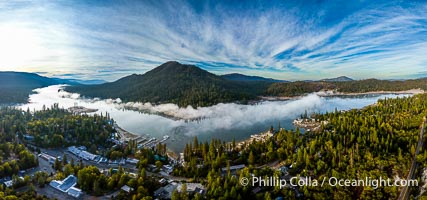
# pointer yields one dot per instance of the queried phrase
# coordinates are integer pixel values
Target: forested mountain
(173, 82)
(16, 86)
(242, 77)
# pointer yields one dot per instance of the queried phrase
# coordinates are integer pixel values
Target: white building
(81, 153)
(74, 192)
(67, 186)
(87, 156)
(132, 161)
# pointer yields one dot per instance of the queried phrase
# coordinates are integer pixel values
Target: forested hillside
(242, 77)
(355, 86)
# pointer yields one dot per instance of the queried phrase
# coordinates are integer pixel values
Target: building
(163, 181)
(102, 160)
(132, 161)
(67, 186)
(47, 157)
(75, 192)
(74, 150)
(8, 184)
(127, 189)
(167, 168)
(193, 188)
(165, 192)
(233, 168)
(262, 137)
(133, 175)
(28, 137)
(87, 156)
(82, 153)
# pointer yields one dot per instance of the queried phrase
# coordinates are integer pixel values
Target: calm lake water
(223, 121)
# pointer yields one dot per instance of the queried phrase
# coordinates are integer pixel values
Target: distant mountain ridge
(24, 79)
(15, 87)
(84, 82)
(242, 77)
(338, 79)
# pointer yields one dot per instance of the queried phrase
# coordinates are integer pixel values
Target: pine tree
(96, 188)
(251, 158)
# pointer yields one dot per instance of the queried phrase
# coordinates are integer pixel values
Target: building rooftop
(54, 183)
(67, 186)
(165, 192)
(235, 167)
(75, 192)
(127, 189)
(192, 187)
(67, 183)
(8, 183)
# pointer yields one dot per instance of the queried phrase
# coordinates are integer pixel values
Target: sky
(288, 40)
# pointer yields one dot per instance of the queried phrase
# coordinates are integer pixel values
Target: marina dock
(143, 141)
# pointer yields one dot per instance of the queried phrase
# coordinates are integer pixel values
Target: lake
(224, 121)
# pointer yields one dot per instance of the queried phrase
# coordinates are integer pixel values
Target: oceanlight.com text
(330, 181)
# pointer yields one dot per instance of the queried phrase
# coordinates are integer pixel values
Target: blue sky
(290, 40)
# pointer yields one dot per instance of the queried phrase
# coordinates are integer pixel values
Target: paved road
(405, 193)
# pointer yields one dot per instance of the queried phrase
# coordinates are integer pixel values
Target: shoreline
(411, 91)
(261, 136)
(125, 136)
(330, 93)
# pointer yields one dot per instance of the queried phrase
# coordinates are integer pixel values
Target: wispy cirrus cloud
(285, 40)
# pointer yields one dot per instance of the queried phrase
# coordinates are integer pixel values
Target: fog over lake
(225, 121)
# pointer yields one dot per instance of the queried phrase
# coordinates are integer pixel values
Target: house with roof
(8, 184)
(126, 188)
(193, 188)
(233, 168)
(166, 191)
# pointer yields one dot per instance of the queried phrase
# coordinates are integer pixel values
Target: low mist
(169, 118)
